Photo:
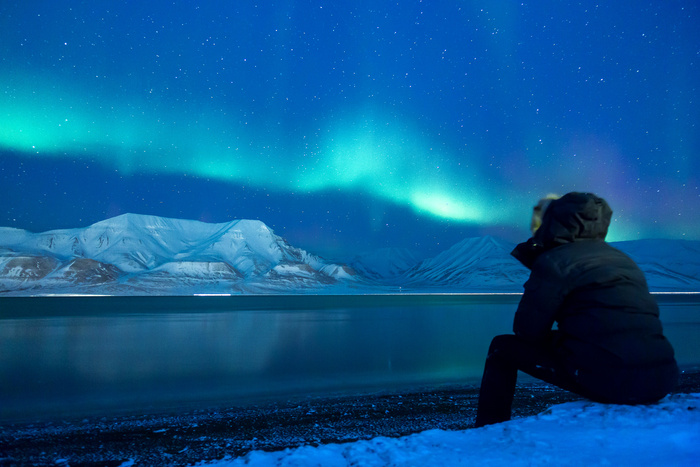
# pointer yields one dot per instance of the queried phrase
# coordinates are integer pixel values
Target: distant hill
(481, 264)
(386, 263)
(484, 264)
(669, 265)
(136, 254)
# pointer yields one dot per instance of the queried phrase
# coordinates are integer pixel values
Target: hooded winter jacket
(609, 334)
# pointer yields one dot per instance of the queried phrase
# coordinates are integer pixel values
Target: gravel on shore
(206, 434)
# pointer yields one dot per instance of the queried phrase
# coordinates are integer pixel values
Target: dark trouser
(508, 354)
(619, 385)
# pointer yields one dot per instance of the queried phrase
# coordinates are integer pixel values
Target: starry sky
(350, 126)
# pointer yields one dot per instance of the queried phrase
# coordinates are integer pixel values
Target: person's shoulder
(612, 251)
(570, 257)
(585, 256)
(588, 247)
(569, 251)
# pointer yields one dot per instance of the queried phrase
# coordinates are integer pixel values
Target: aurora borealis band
(350, 126)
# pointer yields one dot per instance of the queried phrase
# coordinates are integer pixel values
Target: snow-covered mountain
(138, 254)
(485, 264)
(385, 263)
(147, 254)
(475, 264)
(669, 265)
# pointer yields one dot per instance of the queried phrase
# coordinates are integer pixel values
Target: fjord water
(75, 356)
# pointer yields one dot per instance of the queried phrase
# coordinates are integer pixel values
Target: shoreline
(177, 438)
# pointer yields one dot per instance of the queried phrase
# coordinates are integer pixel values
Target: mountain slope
(137, 253)
(485, 264)
(668, 265)
(385, 263)
(474, 264)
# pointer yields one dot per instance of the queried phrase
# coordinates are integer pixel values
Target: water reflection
(84, 360)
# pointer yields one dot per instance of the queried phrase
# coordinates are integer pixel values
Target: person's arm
(543, 296)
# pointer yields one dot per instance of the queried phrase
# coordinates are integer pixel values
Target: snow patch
(136, 254)
(576, 433)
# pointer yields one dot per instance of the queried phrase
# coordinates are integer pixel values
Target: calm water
(62, 355)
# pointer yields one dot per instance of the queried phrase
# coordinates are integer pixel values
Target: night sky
(349, 126)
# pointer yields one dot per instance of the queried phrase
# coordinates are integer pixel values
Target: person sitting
(608, 346)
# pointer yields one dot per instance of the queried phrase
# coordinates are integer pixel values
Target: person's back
(608, 324)
(609, 345)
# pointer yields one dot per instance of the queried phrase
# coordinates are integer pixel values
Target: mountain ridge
(134, 250)
(477, 263)
(143, 254)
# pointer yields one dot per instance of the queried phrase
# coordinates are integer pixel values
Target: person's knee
(501, 342)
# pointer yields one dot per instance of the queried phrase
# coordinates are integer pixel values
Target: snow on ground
(575, 433)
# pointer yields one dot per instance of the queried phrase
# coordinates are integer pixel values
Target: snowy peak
(135, 249)
(145, 242)
(385, 263)
(140, 254)
(469, 252)
(479, 264)
(667, 264)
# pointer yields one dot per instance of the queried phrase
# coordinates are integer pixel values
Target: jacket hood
(571, 218)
